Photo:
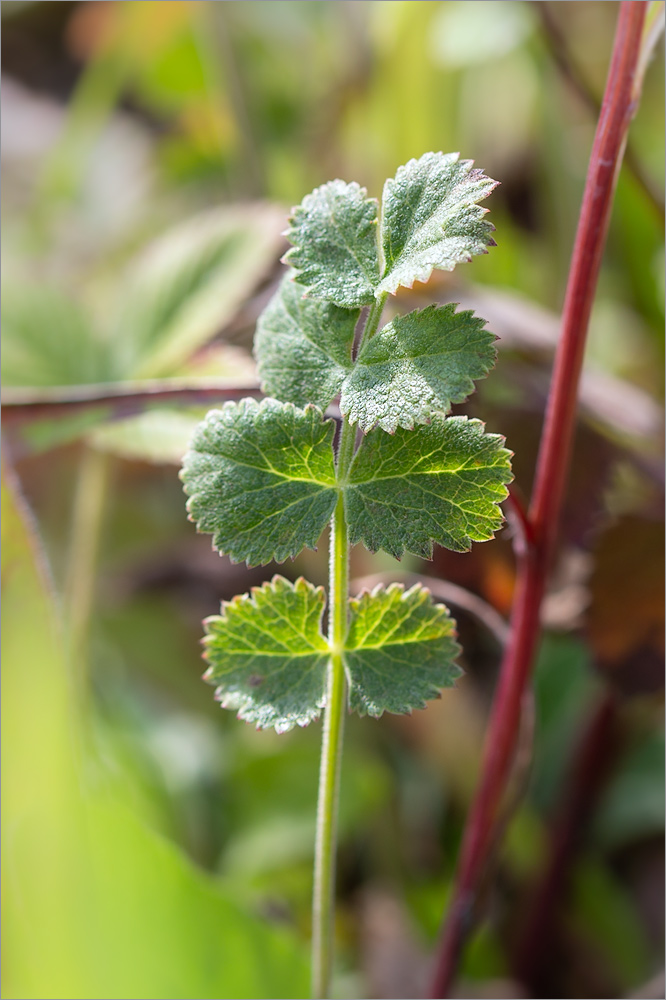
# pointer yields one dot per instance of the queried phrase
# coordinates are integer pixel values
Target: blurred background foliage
(154, 846)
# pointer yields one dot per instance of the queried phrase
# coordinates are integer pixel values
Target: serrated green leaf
(430, 219)
(334, 237)
(261, 479)
(417, 365)
(267, 655)
(438, 483)
(303, 346)
(400, 650)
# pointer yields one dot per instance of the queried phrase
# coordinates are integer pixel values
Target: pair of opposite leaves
(262, 477)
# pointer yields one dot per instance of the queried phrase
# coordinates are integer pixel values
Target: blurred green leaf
(173, 299)
(468, 36)
(275, 789)
(604, 914)
(179, 293)
(633, 804)
(95, 904)
(188, 285)
(159, 435)
(41, 435)
(48, 339)
(565, 689)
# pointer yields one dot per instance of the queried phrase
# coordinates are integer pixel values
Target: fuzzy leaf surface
(267, 656)
(415, 366)
(334, 237)
(303, 346)
(261, 479)
(430, 219)
(400, 650)
(438, 483)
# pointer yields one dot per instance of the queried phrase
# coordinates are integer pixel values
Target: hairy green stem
(331, 753)
(374, 316)
(323, 907)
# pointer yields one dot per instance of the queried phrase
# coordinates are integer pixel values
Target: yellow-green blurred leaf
(95, 904)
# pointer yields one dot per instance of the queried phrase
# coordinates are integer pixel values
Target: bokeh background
(153, 845)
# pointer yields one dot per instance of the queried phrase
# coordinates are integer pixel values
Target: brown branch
(120, 399)
(552, 467)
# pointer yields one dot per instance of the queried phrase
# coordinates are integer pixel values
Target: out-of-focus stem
(87, 517)
(594, 758)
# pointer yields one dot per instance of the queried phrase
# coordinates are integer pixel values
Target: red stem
(552, 467)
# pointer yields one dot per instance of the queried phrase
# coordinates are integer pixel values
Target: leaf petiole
(331, 755)
(263, 478)
(323, 898)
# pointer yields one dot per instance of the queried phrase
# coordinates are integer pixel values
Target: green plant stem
(374, 316)
(323, 903)
(331, 754)
(82, 559)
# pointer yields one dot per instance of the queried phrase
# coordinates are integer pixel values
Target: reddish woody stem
(552, 467)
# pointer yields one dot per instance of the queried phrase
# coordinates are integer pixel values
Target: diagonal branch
(120, 399)
(619, 105)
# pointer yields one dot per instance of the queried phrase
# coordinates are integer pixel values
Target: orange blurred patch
(627, 585)
(499, 583)
(141, 28)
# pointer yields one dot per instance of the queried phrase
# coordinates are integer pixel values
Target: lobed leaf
(430, 219)
(303, 346)
(439, 483)
(261, 479)
(334, 237)
(400, 650)
(415, 366)
(267, 655)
